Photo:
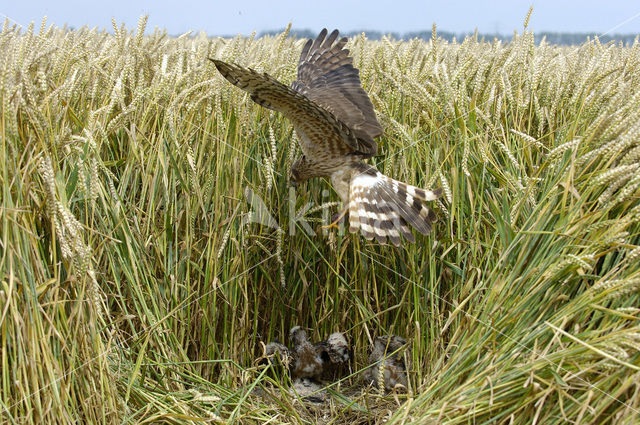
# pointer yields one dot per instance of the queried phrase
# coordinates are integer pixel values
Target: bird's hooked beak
(293, 178)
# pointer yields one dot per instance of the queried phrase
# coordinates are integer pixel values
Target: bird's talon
(336, 219)
(333, 225)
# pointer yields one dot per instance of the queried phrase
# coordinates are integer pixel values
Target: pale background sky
(230, 17)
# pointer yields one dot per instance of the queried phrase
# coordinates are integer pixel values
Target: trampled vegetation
(137, 284)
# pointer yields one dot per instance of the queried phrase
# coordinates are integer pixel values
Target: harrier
(322, 360)
(336, 126)
(386, 350)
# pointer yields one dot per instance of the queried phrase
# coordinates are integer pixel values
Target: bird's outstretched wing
(305, 114)
(326, 75)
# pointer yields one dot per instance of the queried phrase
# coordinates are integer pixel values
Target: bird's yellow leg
(334, 223)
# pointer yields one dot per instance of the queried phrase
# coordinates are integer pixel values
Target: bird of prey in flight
(336, 125)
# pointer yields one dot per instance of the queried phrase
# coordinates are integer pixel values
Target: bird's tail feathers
(382, 207)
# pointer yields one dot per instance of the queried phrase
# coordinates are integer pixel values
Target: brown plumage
(275, 349)
(386, 356)
(278, 356)
(307, 360)
(335, 355)
(336, 126)
(327, 359)
(322, 360)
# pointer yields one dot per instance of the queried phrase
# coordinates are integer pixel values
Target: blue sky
(230, 17)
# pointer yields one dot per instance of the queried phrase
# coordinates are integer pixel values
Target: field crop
(138, 283)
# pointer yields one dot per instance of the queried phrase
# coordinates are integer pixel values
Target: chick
(385, 352)
(278, 357)
(307, 360)
(335, 355)
(275, 349)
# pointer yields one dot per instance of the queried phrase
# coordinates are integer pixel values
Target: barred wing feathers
(309, 116)
(382, 207)
(326, 75)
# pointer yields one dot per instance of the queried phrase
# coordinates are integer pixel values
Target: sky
(231, 17)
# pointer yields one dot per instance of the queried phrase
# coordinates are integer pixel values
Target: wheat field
(137, 284)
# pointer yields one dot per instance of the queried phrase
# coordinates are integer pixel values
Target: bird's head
(339, 349)
(297, 336)
(389, 344)
(302, 170)
(293, 178)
